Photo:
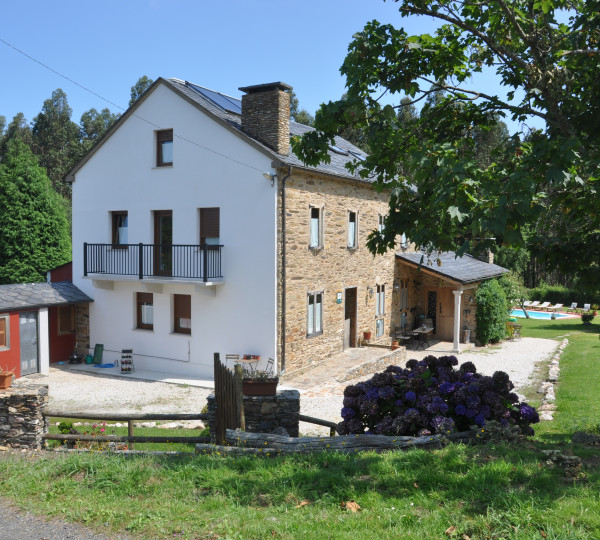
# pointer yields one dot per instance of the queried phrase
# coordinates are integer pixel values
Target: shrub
(430, 396)
(491, 312)
(587, 318)
(513, 288)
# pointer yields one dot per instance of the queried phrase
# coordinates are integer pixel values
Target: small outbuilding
(39, 324)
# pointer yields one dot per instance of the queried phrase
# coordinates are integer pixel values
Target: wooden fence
(229, 399)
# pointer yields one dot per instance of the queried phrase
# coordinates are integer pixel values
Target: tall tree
(18, 129)
(302, 116)
(56, 139)
(35, 235)
(549, 69)
(142, 84)
(94, 125)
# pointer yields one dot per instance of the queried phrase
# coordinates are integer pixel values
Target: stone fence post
(22, 423)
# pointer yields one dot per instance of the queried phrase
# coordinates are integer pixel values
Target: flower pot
(367, 335)
(395, 344)
(254, 387)
(6, 380)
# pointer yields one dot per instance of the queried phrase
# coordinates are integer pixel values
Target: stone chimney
(266, 115)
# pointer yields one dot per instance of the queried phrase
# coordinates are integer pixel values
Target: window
(145, 310)
(315, 314)
(66, 320)
(403, 241)
(182, 310)
(352, 230)
(209, 226)
(316, 228)
(164, 147)
(381, 223)
(119, 230)
(4, 332)
(380, 304)
(379, 326)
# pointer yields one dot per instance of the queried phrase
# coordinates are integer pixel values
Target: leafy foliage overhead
(431, 162)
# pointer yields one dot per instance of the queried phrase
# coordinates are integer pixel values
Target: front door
(440, 309)
(28, 338)
(350, 318)
(163, 240)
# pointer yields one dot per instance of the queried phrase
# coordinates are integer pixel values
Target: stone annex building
(196, 230)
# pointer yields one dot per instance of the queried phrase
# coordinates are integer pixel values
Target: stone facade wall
(21, 421)
(334, 268)
(82, 328)
(264, 414)
(266, 117)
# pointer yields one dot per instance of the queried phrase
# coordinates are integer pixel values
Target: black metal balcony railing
(201, 262)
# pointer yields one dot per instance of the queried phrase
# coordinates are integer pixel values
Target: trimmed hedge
(562, 295)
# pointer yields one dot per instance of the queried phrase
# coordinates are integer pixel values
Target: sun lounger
(531, 305)
(556, 307)
(586, 308)
(572, 308)
(543, 306)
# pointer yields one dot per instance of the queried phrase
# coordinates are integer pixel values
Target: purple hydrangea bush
(430, 397)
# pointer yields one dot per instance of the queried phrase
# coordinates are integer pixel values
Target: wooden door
(163, 242)
(445, 318)
(350, 318)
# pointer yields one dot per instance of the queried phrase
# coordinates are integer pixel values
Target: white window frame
(379, 327)
(6, 318)
(315, 243)
(311, 313)
(380, 301)
(403, 241)
(381, 223)
(352, 239)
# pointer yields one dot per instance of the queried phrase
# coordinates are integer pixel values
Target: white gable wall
(236, 317)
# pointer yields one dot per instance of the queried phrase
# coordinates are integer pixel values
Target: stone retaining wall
(264, 414)
(21, 421)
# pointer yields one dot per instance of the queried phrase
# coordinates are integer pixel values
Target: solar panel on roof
(227, 103)
(338, 150)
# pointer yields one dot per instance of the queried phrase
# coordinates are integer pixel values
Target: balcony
(166, 262)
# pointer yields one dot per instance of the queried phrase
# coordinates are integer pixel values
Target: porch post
(457, 295)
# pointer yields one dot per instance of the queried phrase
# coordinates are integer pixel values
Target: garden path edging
(547, 388)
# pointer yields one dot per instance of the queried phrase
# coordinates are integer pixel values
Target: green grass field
(490, 491)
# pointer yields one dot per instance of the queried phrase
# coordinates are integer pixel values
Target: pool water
(536, 314)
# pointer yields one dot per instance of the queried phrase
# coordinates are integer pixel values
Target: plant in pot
(367, 335)
(258, 382)
(6, 376)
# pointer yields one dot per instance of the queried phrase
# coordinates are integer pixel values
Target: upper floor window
(164, 147)
(119, 229)
(4, 332)
(352, 230)
(403, 241)
(210, 226)
(381, 223)
(145, 310)
(380, 306)
(182, 312)
(316, 227)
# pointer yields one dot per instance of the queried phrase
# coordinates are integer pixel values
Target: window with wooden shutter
(164, 147)
(119, 230)
(210, 226)
(4, 329)
(182, 310)
(145, 310)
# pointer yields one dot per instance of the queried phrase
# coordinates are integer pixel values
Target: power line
(123, 109)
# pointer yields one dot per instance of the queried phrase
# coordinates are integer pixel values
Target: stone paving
(332, 376)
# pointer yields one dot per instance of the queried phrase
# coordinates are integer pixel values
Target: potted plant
(367, 335)
(257, 382)
(395, 343)
(6, 376)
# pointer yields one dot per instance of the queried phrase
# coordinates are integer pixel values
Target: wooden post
(239, 397)
(130, 431)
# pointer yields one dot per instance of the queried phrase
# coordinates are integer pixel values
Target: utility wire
(123, 109)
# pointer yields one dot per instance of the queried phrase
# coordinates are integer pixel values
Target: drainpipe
(283, 264)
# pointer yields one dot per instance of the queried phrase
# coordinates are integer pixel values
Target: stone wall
(333, 268)
(21, 421)
(82, 329)
(264, 414)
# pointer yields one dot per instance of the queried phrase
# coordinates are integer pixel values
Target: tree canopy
(141, 85)
(35, 235)
(544, 54)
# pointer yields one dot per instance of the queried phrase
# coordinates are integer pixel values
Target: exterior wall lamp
(396, 286)
(371, 292)
(269, 176)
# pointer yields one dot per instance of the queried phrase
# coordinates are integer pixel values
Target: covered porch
(440, 288)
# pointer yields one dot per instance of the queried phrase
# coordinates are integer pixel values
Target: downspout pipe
(283, 267)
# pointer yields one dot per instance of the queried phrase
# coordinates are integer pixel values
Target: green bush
(491, 312)
(587, 318)
(562, 295)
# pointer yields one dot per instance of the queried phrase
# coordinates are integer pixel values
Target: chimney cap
(265, 87)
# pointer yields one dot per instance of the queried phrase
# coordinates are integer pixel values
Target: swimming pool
(536, 314)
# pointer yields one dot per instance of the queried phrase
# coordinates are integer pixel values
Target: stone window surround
(348, 216)
(321, 211)
(380, 300)
(314, 294)
(5, 343)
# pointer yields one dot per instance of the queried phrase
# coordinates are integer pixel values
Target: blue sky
(107, 45)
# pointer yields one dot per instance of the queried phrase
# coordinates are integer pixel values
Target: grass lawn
(491, 491)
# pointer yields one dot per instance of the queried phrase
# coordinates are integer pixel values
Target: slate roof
(35, 295)
(465, 269)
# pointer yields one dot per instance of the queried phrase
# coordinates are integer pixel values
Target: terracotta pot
(6, 380)
(253, 387)
(395, 344)
(367, 335)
